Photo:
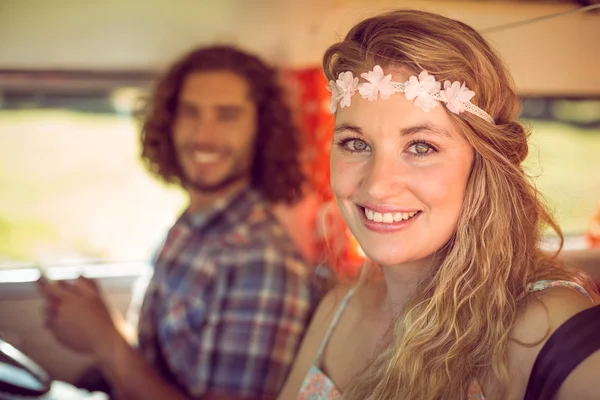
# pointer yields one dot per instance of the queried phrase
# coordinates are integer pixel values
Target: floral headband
(424, 89)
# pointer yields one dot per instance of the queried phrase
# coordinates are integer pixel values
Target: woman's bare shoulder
(539, 315)
(324, 314)
(332, 301)
(313, 338)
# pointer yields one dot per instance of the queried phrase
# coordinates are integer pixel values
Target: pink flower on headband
(456, 95)
(377, 83)
(421, 89)
(342, 90)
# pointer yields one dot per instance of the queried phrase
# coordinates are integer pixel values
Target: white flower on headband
(456, 96)
(377, 83)
(335, 96)
(422, 88)
(342, 90)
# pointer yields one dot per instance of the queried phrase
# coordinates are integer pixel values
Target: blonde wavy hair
(456, 328)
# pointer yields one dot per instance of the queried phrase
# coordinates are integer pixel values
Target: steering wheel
(19, 375)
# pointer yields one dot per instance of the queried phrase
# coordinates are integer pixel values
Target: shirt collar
(225, 212)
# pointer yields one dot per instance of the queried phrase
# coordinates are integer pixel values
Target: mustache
(204, 147)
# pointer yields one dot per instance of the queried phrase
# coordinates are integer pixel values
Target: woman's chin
(395, 259)
(386, 260)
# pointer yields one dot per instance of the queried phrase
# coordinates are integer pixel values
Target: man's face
(214, 130)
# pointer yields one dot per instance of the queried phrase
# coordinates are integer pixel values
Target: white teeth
(388, 218)
(205, 158)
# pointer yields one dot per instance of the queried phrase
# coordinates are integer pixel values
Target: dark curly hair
(276, 168)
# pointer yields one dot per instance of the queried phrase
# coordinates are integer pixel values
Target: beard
(238, 171)
(198, 185)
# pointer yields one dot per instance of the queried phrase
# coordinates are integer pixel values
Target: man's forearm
(131, 376)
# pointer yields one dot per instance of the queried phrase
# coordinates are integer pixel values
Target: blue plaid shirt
(228, 303)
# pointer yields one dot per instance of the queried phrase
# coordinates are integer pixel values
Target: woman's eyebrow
(428, 128)
(411, 130)
(348, 127)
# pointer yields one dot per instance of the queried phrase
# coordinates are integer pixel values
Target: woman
(457, 299)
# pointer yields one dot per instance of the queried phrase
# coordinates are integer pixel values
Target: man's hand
(80, 319)
(78, 316)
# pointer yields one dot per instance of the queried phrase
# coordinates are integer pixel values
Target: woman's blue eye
(421, 149)
(356, 145)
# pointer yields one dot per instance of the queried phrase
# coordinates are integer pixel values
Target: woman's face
(399, 175)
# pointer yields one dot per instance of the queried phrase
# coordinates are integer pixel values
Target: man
(230, 296)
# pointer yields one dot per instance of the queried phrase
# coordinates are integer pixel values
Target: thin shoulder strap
(334, 322)
(573, 342)
(541, 285)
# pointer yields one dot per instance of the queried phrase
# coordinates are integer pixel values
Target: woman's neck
(401, 283)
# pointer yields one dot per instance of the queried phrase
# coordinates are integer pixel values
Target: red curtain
(334, 244)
